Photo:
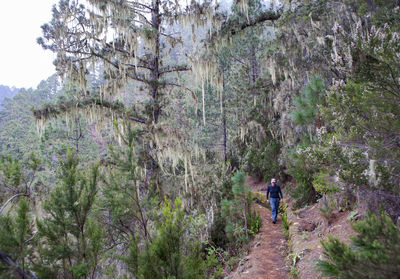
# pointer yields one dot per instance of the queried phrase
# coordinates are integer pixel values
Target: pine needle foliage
(16, 232)
(123, 193)
(306, 105)
(302, 171)
(374, 252)
(241, 222)
(262, 160)
(70, 238)
(11, 172)
(169, 254)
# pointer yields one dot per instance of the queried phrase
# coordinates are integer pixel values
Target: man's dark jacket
(275, 191)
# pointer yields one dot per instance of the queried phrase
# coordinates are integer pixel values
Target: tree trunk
(245, 223)
(254, 68)
(155, 70)
(155, 86)
(224, 115)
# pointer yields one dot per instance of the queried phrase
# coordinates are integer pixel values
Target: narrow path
(266, 259)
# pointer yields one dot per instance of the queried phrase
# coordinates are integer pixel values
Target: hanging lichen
(244, 6)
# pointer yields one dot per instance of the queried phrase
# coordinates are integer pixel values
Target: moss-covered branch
(54, 110)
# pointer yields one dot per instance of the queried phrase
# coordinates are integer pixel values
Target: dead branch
(4, 258)
(10, 199)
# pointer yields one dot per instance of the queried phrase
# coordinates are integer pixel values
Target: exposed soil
(266, 258)
(307, 229)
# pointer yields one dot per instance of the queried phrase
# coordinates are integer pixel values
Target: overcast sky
(23, 63)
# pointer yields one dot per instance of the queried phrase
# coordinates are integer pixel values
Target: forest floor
(266, 258)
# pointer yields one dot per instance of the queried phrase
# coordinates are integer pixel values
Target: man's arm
(267, 192)
(280, 192)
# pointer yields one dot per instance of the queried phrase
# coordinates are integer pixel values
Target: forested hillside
(134, 165)
(6, 92)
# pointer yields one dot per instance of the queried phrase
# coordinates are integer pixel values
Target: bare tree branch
(178, 68)
(134, 3)
(137, 119)
(10, 199)
(116, 244)
(232, 27)
(181, 86)
(4, 258)
(32, 237)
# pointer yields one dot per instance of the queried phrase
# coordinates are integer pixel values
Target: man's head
(273, 181)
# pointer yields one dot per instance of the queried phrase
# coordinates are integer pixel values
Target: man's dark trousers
(274, 208)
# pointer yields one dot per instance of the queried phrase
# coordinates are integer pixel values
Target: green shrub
(217, 234)
(322, 184)
(237, 213)
(254, 222)
(214, 261)
(326, 209)
(169, 254)
(374, 252)
(262, 161)
(285, 225)
(69, 234)
(303, 191)
(15, 229)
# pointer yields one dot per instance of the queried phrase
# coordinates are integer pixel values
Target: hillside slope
(7, 92)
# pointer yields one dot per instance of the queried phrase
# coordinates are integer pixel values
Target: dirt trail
(266, 259)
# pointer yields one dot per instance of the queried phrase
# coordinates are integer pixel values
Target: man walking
(276, 195)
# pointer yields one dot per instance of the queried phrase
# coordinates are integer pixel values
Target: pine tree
(374, 252)
(17, 179)
(16, 237)
(237, 210)
(16, 227)
(170, 254)
(306, 105)
(138, 54)
(70, 238)
(129, 203)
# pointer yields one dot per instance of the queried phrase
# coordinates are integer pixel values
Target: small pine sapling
(16, 239)
(70, 238)
(374, 252)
